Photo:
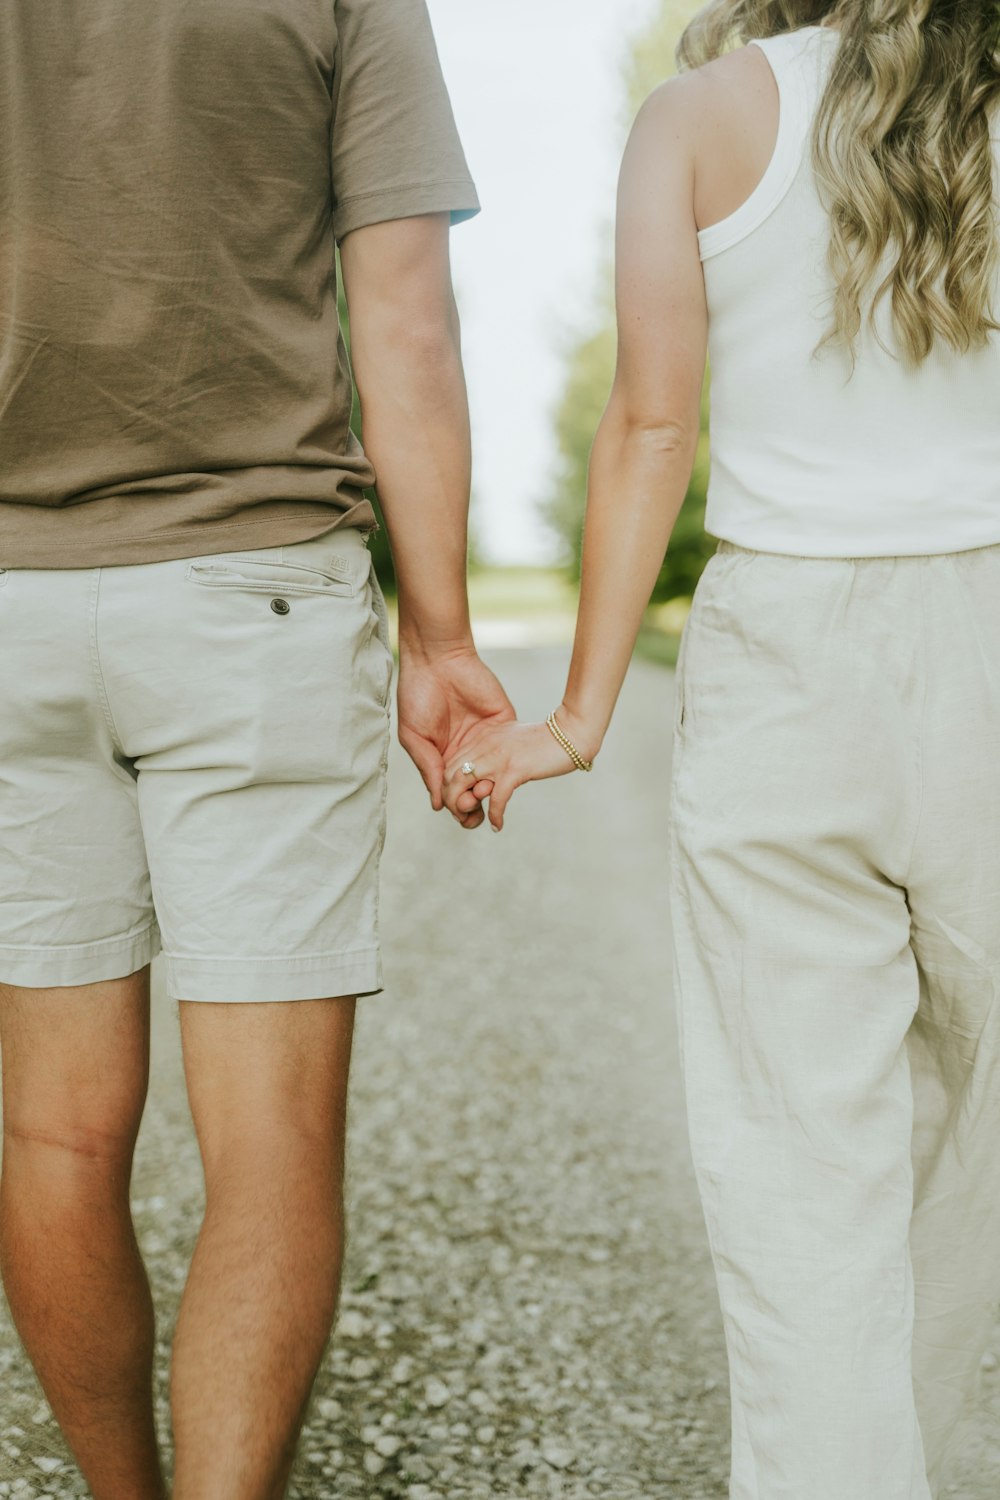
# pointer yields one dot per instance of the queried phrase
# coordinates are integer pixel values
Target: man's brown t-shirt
(173, 177)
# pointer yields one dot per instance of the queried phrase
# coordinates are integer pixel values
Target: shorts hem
(74, 964)
(230, 981)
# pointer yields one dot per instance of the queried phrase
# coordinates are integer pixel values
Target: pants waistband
(726, 547)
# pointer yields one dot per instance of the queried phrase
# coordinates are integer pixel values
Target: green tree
(591, 363)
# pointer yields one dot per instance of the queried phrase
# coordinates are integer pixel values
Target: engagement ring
(468, 769)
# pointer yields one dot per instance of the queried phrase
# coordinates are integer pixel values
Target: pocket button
(280, 606)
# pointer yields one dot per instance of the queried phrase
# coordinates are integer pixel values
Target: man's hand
(443, 698)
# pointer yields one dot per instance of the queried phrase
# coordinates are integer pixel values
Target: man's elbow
(432, 342)
(422, 341)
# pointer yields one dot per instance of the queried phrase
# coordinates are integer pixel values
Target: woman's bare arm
(645, 446)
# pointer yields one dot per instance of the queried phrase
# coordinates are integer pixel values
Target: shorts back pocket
(273, 577)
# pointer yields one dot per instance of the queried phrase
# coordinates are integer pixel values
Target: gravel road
(528, 1308)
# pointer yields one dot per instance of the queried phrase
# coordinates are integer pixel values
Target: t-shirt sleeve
(395, 149)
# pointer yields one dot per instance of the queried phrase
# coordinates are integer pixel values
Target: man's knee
(268, 1087)
(75, 1070)
(70, 1126)
(274, 1161)
(64, 1182)
(98, 1141)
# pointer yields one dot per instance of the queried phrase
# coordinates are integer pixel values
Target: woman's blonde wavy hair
(902, 153)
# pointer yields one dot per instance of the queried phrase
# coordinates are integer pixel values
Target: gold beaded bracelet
(568, 746)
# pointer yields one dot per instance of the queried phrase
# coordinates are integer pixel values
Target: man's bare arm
(406, 354)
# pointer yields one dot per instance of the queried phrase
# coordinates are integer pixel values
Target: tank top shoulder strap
(795, 58)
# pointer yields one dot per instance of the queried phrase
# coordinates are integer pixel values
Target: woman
(818, 210)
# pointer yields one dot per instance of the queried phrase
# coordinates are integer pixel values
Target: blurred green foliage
(591, 365)
(651, 58)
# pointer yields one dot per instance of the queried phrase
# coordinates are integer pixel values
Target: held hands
(453, 714)
(444, 697)
(494, 760)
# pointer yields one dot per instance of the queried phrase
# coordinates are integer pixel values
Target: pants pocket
(382, 633)
(272, 576)
(679, 679)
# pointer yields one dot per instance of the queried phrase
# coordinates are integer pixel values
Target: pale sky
(536, 88)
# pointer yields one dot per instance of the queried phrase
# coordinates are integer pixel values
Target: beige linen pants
(835, 840)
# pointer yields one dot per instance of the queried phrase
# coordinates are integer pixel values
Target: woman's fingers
(494, 766)
(482, 772)
(461, 798)
(499, 797)
(465, 785)
(475, 797)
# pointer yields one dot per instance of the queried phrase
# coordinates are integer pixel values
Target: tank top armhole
(780, 172)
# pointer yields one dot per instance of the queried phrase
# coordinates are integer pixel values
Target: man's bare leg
(75, 1070)
(268, 1091)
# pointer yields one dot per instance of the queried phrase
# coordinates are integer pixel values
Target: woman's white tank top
(805, 458)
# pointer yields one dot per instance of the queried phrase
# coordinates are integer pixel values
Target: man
(195, 670)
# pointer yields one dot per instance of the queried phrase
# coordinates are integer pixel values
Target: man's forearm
(416, 432)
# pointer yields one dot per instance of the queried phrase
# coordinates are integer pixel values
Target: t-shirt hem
(173, 545)
(456, 196)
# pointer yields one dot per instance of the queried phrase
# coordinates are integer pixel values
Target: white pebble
(353, 1324)
(388, 1445)
(556, 1454)
(436, 1393)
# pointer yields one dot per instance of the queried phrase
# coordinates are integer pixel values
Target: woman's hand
(504, 758)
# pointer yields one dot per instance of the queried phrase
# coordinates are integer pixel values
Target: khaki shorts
(835, 898)
(193, 759)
